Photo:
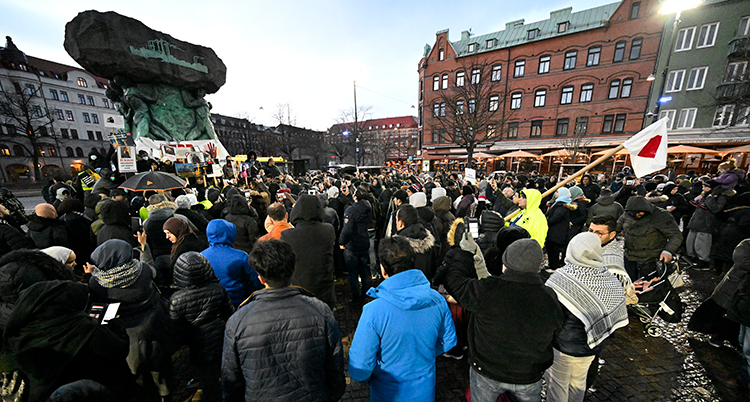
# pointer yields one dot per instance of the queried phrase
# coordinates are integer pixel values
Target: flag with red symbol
(648, 148)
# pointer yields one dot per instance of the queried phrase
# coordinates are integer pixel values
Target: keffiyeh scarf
(594, 296)
(118, 277)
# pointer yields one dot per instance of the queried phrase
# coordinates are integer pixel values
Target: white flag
(648, 148)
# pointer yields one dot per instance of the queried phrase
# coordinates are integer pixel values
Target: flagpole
(574, 176)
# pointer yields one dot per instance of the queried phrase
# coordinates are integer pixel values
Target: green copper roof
(516, 32)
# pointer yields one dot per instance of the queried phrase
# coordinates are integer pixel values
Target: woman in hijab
(182, 238)
(118, 278)
(558, 223)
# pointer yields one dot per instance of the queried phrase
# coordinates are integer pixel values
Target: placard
(126, 159)
(113, 120)
(185, 169)
(470, 176)
(216, 171)
(120, 138)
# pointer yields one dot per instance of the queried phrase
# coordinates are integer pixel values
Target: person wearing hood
(116, 218)
(230, 265)
(590, 189)
(729, 176)
(184, 207)
(105, 183)
(61, 195)
(159, 210)
(593, 304)
(118, 278)
(99, 161)
(426, 214)
(464, 203)
(704, 222)
(733, 294)
(490, 222)
(78, 227)
(578, 215)
(329, 214)
(356, 241)
(560, 229)
(89, 204)
(200, 309)
(734, 229)
(10, 237)
(45, 230)
(605, 205)
(650, 233)
(531, 217)
(425, 247)
(183, 239)
(677, 205)
(312, 238)
(244, 219)
(398, 365)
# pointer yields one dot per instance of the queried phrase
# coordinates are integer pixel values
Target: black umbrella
(156, 181)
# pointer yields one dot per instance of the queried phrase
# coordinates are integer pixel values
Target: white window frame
(519, 68)
(744, 27)
(571, 59)
(626, 89)
(587, 94)
(707, 29)
(684, 40)
(614, 89)
(489, 43)
(436, 83)
(472, 47)
(735, 71)
(540, 97)
(444, 84)
(494, 103)
(696, 78)
(566, 97)
(544, 62)
(723, 115)
(515, 100)
(670, 113)
(593, 56)
(497, 72)
(675, 80)
(687, 118)
(476, 76)
(460, 78)
(742, 116)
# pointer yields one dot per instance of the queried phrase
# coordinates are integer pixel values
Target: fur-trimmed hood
(420, 239)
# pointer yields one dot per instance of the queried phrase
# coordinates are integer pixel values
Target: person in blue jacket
(402, 331)
(230, 265)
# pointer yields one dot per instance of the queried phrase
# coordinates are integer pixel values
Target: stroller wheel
(654, 332)
(644, 319)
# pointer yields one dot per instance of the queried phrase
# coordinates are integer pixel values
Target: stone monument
(157, 82)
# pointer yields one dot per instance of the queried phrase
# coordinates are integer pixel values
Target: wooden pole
(574, 176)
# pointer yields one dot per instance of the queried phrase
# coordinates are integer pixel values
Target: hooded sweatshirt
(647, 237)
(231, 266)
(385, 350)
(532, 218)
(116, 218)
(605, 205)
(244, 219)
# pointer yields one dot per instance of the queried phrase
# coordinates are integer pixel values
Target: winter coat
(195, 218)
(313, 242)
(647, 237)
(47, 232)
(191, 242)
(578, 216)
(257, 363)
(490, 222)
(463, 209)
(442, 207)
(154, 228)
(735, 227)
(591, 191)
(425, 247)
(740, 302)
(384, 351)
(705, 217)
(78, 227)
(513, 323)
(682, 207)
(12, 239)
(230, 265)
(531, 218)
(354, 235)
(559, 226)
(201, 307)
(605, 205)
(660, 200)
(428, 220)
(116, 218)
(502, 204)
(730, 179)
(244, 219)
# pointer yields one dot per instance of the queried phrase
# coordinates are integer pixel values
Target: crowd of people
(527, 286)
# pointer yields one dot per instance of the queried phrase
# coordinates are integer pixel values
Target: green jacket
(649, 236)
(532, 218)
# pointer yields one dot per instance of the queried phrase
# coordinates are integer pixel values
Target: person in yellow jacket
(531, 217)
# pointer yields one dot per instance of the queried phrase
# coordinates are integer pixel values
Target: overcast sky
(304, 53)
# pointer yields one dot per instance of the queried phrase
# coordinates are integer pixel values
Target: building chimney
(514, 24)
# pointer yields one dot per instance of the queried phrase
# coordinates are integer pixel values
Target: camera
(312, 191)
(630, 183)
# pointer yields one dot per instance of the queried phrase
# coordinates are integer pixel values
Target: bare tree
(352, 122)
(26, 110)
(471, 112)
(575, 141)
(286, 139)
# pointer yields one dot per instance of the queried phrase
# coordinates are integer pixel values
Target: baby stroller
(656, 295)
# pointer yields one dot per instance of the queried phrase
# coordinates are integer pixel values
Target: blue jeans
(484, 389)
(745, 344)
(357, 263)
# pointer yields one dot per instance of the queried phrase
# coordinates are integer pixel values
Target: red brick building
(390, 139)
(575, 75)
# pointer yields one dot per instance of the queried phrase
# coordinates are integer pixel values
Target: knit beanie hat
(414, 188)
(524, 255)
(438, 192)
(466, 190)
(650, 186)
(418, 199)
(585, 249)
(442, 203)
(575, 193)
(212, 195)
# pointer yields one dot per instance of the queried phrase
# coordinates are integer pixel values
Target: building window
(86, 118)
(609, 121)
(515, 100)
(64, 133)
(437, 136)
(52, 150)
(59, 114)
(635, 48)
(79, 152)
(472, 47)
(687, 118)
(707, 35)
(95, 118)
(105, 102)
(53, 94)
(73, 133)
(30, 89)
(445, 81)
(540, 97)
(735, 71)
(562, 127)
(593, 56)
(441, 55)
(684, 39)
(435, 83)
(674, 81)
(64, 96)
(587, 92)
(696, 78)
(723, 116)
(81, 99)
(442, 109)
(436, 110)
(69, 115)
(570, 60)
(562, 27)
(619, 51)
(497, 72)
(4, 150)
(614, 89)
(536, 128)
(460, 107)
(475, 76)
(531, 34)
(544, 64)
(37, 110)
(90, 134)
(635, 8)
(744, 26)
(627, 85)
(567, 95)
(82, 82)
(742, 116)
(99, 135)
(520, 67)
(90, 100)
(512, 130)
(668, 114)
(472, 105)
(460, 77)
(18, 150)
(69, 152)
(490, 43)
(494, 102)
(620, 123)
(582, 125)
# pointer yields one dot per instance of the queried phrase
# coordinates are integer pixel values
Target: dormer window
(441, 54)
(562, 27)
(490, 43)
(472, 47)
(82, 82)
(532, 34)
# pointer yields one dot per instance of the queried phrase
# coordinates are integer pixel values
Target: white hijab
(59, 253)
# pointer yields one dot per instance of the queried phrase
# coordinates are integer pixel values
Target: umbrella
(687, 149)
(155, 181)
(742, 148)
(559, 152)
(479, 155)
(519, 154)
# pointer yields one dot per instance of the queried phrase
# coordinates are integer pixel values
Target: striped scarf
(118, 277)
(594, 296)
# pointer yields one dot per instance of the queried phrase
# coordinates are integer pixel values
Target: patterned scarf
(594, 296)
(118, 277)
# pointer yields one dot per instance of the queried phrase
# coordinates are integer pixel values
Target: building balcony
(739, 46)
(729, 91)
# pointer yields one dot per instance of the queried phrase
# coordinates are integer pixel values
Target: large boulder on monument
(109, 44)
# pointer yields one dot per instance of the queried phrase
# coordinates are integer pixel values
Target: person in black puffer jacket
(489, 223)
(442, 207)
(116, 217)
(78, 227)
(45, 230)
(200, 309)
(245, 219)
